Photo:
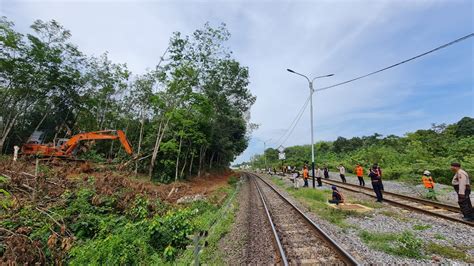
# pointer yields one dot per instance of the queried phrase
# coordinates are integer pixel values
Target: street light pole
(311, 91)
(264, 154)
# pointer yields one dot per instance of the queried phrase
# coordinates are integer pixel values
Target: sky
(347, 38)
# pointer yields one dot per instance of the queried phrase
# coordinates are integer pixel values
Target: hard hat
(334, 187)
(427, 173)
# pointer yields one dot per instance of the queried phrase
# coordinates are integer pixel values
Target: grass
(316, 201)
(458, 253)
(224, 218)
(404, 244)
(421, 227)
(439, 236)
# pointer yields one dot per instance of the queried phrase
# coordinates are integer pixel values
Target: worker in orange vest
(305, 176)
(429, 184)
(360, 175)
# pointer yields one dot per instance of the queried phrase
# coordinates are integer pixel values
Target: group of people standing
(375, 174)
(460, 182)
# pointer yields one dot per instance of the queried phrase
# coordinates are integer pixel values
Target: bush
(129, 245)
(232, 180)
(171, 230)
(139, 209)
(402, 244)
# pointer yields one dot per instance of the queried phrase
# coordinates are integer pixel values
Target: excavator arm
(68, 147)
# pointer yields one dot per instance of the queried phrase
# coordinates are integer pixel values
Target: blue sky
(347, 38)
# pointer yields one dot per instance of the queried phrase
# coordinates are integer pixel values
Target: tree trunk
(185, 161)
(191, 164)
(177, 158)
(6, 131)
(142, 122)
(41, 122)
(212, 158)
(202, 153)
(159, 136)
(184, 166)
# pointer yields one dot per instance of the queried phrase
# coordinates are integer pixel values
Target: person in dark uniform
(326, 172)
(337, 196)
(462, 186)
(376, 183)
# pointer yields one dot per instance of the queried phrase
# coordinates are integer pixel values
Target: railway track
(297, 238)
(425, 206)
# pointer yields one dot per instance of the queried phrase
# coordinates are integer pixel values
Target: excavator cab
(37, 137)
(60, 142)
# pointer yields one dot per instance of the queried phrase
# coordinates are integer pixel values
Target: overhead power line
(293, 124)
(400, 63)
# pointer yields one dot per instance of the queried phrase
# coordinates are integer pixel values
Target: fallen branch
(54, 220)
(51, 217)
(7, 176)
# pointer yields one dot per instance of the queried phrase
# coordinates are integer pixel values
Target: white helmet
(427, 173)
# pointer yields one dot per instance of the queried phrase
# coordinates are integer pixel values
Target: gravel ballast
(390, 219)
(250, 240)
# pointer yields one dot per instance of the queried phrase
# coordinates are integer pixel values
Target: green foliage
(139, 209)
(127, 245)
(400, 244)
(93, 156)
(457, 253)
(171, 230)
(232, 180)
(5, 199)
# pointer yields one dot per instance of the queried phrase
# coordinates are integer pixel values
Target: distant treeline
(400, 157)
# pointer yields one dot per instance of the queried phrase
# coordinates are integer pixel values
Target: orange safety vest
(428, 181)
(359, 171)
(305, 174)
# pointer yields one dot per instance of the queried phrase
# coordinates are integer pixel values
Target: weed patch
(457, 253)
(421, 227)
(404, 244)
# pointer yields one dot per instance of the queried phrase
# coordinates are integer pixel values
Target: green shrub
(171, 230)
(139, 209)
(129, 245)
(407, 244)
(232, 180)
(421, 227)
(402, 244)
(448, 252)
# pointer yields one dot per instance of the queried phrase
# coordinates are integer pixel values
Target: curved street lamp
(311, 91)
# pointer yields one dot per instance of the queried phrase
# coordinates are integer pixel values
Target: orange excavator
(67, 148)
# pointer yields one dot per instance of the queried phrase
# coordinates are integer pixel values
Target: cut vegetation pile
(65, 216)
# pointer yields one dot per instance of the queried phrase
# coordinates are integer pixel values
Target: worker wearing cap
(319, 174)
(337, 196)
(462, 186)
(429, 184)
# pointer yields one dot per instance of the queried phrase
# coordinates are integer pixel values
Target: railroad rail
(298, 239)
(425, 206)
